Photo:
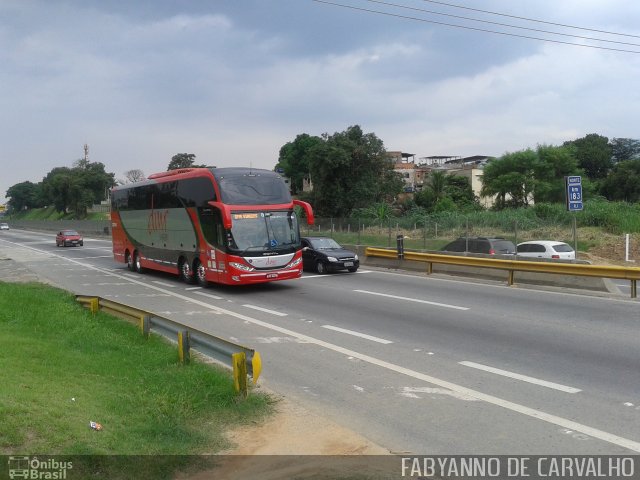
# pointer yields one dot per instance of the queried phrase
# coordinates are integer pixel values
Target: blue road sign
(574, 193)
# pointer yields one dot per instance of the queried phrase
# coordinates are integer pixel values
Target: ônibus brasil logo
(35, 468)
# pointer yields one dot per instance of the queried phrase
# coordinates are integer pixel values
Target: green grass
(50, 213)
(62, 367)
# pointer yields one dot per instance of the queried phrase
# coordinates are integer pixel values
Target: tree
(294, 160)
(593, 153)
(77, 188)
(446, 192)
(438, 184)
(511, 178)
(350, 170)
(55, 188)
(625, 149)
(458, 189)
(135, 175)
(623, 183)
(552, 165)
(24, 195)
(183, 160)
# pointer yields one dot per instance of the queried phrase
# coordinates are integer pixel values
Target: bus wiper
(252, 247)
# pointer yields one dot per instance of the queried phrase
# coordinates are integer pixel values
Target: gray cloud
(233, 81)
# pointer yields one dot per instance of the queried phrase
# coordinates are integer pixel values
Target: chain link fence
(429, 235)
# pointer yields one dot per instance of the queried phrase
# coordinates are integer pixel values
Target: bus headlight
(295, 263)
(241, 266)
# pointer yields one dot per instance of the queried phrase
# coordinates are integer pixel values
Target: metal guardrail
(601, 271)
(241, 359)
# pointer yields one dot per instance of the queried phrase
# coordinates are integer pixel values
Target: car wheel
(353, 269)
(321, 268)
(201, 274)
(81, 244)
(186, 273)
(137, 266)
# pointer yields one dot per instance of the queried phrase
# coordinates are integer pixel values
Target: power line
(472, 28)
(531, 19)
(501, 24)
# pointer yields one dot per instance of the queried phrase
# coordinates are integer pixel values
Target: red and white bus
(232, 226)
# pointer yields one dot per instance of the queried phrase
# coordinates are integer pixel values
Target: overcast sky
(231, 81)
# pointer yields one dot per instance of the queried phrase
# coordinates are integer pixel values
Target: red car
(64, 238)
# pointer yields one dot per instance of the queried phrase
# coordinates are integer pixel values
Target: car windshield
(504, 246)
(563, 247)
(70, 232)
(324, 243)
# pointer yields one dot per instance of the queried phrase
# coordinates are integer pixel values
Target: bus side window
(211, 223)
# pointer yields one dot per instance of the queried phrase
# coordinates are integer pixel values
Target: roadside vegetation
(63, 368)
(50, 213)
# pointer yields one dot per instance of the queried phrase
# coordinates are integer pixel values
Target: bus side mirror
(308, 211)
(225, 211)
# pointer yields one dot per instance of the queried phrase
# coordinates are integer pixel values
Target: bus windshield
(264, 231)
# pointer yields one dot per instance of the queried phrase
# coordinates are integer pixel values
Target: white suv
(4, 226)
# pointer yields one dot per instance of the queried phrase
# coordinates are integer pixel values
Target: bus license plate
(272, 275)
(348, 264)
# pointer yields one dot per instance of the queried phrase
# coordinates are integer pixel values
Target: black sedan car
(323, 254)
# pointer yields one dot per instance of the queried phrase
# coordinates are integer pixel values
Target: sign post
(573, 192)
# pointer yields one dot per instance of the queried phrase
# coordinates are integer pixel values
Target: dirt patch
(291, 444)
(612, 251)
(293, 430)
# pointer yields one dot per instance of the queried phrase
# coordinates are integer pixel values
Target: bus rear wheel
(137, 266)
(186, 272)
(128, 258)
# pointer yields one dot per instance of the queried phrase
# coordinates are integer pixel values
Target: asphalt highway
(418, 364)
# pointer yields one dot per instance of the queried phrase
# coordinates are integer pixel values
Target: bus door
(213, 233)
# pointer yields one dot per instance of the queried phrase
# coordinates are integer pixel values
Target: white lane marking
(411, 393)
(204, 294)
(325, 275)
(193, 288)
(357, 334)
(278, 340)
(412, 300)
(308, 277)
(503, 286)
(506, 404)
(158, 282)
(524, 378)
(266, 310)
